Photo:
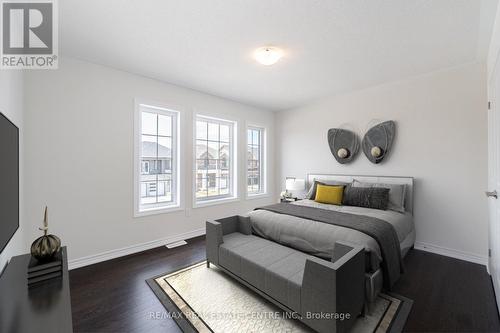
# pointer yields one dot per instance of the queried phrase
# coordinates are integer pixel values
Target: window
(255, 161)
(214, 159)
(157, 177)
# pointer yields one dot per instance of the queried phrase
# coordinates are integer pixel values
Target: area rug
(202, 299)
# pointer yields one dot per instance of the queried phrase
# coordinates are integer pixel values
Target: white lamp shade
(295, 184)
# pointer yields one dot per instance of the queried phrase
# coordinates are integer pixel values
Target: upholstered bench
(315, 289)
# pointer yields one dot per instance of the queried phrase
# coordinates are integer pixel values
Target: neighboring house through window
(214, 159)
(157, 156)
(255, 161)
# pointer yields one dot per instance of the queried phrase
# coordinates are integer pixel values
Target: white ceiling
(331, 46)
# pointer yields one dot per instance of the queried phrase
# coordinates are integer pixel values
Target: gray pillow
(311, 194)
(397, 194)
(368, 197)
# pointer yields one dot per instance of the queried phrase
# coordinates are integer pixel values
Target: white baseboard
(176, 244)
(444, 251)
(108, 255)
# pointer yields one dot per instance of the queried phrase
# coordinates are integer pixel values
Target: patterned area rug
(202, 299)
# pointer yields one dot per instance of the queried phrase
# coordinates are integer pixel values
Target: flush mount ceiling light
(268, 55)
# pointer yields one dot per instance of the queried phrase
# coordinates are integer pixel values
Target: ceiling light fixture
(268, 55)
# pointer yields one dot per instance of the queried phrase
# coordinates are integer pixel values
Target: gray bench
(317, 290)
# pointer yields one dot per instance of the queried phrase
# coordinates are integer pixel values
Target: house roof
(149, 150)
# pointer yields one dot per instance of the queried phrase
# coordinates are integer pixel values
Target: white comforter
(318, 238)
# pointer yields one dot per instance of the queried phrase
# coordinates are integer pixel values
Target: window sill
(258, 196)
(213, 202)
(156, 211)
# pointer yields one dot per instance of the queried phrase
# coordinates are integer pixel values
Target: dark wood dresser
(44, 307)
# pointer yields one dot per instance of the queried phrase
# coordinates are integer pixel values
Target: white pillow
(397, 194)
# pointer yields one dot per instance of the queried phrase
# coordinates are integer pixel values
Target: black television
(9, 180)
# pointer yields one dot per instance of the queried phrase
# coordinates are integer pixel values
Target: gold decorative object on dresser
(45, 247)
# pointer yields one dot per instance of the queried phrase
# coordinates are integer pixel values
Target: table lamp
(294, 184)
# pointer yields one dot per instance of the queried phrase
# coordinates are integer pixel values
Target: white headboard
(408, 181)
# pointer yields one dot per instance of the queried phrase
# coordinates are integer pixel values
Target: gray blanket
(382, 231)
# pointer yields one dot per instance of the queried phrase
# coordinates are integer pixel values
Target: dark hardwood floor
(449, 295)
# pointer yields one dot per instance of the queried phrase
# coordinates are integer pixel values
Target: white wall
(441, 141)
(11, 105)
(79, 157)
(494, 47)
(79, 154)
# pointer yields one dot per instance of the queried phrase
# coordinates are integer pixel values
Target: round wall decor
(344, 144)
(378, 140)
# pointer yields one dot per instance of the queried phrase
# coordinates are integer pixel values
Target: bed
(318, 238)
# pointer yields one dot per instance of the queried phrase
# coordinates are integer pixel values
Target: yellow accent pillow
(329, 194)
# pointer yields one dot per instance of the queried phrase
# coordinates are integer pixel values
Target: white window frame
(263, 162)
(162, 109)
(233, 171)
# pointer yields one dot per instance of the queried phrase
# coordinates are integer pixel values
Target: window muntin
(214, 159)
(158, 173)
(255, 162)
